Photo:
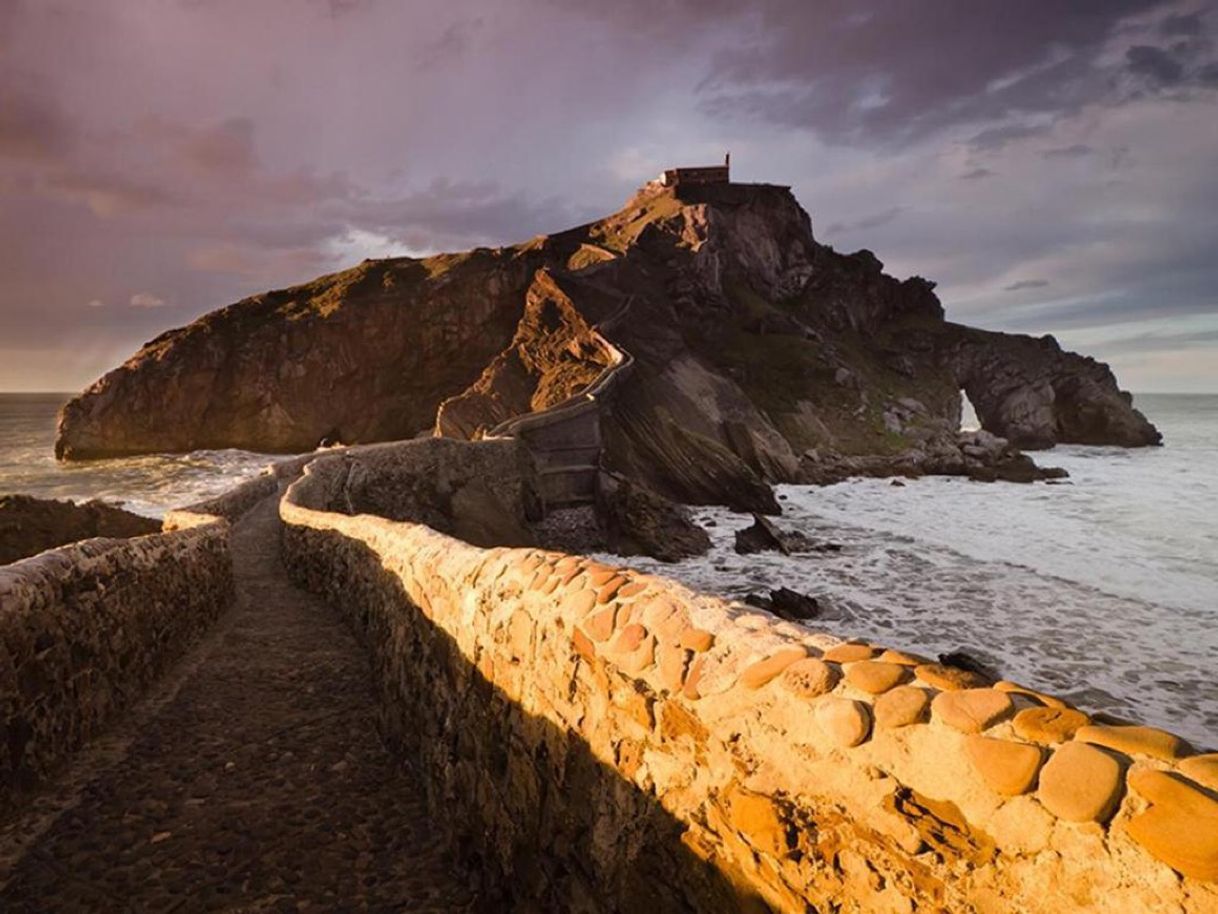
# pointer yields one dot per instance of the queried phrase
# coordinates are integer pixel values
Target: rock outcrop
(32, 525)
(759, 354)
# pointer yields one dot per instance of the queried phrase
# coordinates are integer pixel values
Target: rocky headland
(759, 356)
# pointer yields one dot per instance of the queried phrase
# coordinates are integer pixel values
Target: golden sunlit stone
(874, 676)
(1135, 740)
(1009, 768)
(1048, 725)
(763, 671)
(972, 710)
(809, 677)
(1181, 826)
(1080, 783)
(901, 707)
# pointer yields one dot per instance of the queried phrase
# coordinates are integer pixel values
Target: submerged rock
(765, 535)
(31, 525)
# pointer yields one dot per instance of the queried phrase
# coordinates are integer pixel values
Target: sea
(1102, 588)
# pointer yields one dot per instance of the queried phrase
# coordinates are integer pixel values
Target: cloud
(1074, 151)
(995, 138)
(31, 127)
(875, 220)
(146, 300)
(976, 174)
(1156, 64)
(1181, 24)
(1026, 284)
(96, 303)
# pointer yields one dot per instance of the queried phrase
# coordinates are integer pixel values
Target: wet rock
(786, 603)
(765, 535)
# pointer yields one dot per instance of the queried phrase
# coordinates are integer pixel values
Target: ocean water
(148, 485)
(1103, 589)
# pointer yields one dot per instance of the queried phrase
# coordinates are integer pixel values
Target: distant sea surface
(148, 485)
(1103, 589)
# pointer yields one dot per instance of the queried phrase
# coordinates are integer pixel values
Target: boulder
(765, 535)
(638, 521)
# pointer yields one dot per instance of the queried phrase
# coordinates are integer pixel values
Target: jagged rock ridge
(761, 356)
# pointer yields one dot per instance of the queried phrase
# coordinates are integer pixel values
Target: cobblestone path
(251, 780)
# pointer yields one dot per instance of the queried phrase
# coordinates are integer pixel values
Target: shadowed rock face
(761, 356)
(1036, 395)
(32, 525)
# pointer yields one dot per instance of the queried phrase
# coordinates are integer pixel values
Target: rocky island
(759, 355)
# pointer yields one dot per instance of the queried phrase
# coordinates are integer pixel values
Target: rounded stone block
(902, 657)
(1049, 725)
(1135, 740)
(844, 721)
(600, 575)
(875, 676)
(697, 640)
(578, 604)
(972, 710)
(755, 675)
(809, 678)
(632, 589)
(849, 653)
(901, 707)
(599, 625)
(1081, 783)
(1202, 768)
(1181, 826)
(1008, 768)
(949, 678)
(610, 589)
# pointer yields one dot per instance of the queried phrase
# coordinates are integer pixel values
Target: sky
(1052, 166)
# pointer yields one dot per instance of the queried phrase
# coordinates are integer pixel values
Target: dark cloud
(1026, 284)
(1156, 64)
(1181, 24)
(976, 174)
(897, 71)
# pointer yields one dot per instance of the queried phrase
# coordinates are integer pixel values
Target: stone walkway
(252, 780)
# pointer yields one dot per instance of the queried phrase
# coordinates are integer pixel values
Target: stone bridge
(289, 701)
(565, 439)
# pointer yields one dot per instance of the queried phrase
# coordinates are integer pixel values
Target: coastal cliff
(760, 356)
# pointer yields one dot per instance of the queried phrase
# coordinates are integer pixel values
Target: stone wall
(607, 740)
(86, 628)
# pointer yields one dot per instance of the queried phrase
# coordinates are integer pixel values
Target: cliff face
(761, 355)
